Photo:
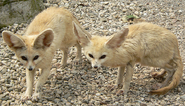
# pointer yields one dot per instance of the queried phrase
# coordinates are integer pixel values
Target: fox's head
(29, 49)
(99, 49)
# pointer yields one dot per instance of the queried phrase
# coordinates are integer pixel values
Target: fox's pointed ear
(44, 39)
(13, 41)
(83, 36)
(116, 40)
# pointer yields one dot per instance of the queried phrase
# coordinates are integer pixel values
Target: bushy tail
(175, 80)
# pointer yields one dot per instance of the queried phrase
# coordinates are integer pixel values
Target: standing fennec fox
(50, 30)
(145, 43)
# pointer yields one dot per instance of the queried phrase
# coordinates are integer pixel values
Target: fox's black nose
(95, 67)
(30, 69)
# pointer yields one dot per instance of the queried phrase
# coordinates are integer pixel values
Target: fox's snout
(95, 64)
(95, 67)
(30, 68)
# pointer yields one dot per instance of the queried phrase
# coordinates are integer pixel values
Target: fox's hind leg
(29, 84)
(64, 58)
(169, 77)
(170, 70)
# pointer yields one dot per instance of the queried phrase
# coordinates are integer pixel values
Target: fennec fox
(145, 43)
(50, 30)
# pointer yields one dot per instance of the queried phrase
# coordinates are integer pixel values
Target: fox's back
(60, 21)
(50, 18)
(151, 42)
(149, 31)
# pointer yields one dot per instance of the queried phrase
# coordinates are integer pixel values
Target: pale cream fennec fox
(50, 30)
(143, 43)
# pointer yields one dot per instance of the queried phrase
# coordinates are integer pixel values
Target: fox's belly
(153, 62)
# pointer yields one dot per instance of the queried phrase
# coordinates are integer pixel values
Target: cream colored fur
(143, 43)
(50, 30)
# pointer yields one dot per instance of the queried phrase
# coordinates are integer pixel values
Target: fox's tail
(175, 80)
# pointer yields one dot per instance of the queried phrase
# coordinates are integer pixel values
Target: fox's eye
(36, 57)
(102, 57)
(24, 58)
(90, 55)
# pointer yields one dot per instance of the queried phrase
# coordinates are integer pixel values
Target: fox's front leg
(79, 52)
(120, 76)
(64, 58)
(40, 83)
(128, 77)
(119, 82)
(29, 84)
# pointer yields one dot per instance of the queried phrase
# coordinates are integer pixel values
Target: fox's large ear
(83, 36)
(13, 41)
(116, 40)
(44, 39)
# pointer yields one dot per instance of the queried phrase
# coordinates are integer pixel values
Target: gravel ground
(79, 84)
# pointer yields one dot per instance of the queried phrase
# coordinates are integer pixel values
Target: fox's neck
(122, 55)
(119, 57)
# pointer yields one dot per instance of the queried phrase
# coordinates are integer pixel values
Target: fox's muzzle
(95, 67)
(95, 64)
(30, 68)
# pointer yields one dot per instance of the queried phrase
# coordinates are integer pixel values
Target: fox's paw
(59, 65)
(77, 61)
(25, 97)
(156, 86)
(63, 66)
(120, 92)
(77, 58)
(36, 96)
(158, 74)
(113, 87)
